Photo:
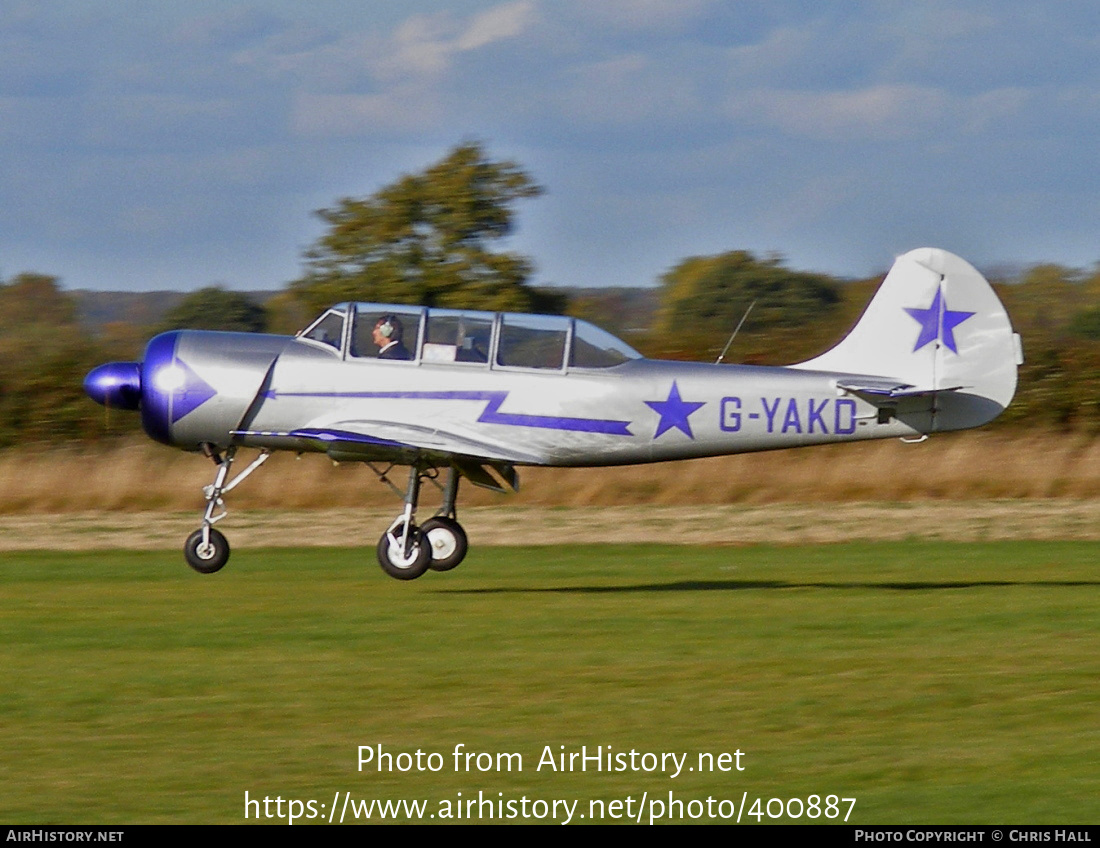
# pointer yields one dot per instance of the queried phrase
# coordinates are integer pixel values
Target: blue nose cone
(116, 384)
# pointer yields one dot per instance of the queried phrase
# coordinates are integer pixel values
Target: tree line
(432, 238)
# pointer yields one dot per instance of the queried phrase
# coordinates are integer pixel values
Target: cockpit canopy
(465, 337)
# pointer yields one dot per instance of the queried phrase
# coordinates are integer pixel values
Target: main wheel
(408, 562)
(208, 558)
(447, 541)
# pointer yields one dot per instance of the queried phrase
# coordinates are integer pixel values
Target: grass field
(933, 682)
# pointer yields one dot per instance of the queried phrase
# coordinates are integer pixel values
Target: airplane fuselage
(639, 411)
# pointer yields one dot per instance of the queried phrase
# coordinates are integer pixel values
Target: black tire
(447, 541)
(209, 559)
(416, 559)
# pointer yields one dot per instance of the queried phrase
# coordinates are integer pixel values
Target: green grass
(935, 683)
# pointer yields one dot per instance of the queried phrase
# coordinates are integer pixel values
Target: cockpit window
(532, 341)
(385, 333)
(416, 334)
(328, 329)
(596, 348)
(456, 336)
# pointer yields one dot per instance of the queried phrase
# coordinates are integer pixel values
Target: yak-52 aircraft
(455, 393)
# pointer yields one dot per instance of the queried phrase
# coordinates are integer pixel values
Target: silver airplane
(464, 394)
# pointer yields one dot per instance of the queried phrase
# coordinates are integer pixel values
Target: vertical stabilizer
(937, 325)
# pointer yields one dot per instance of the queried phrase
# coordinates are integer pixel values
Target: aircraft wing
(384, 441)
(429, 440)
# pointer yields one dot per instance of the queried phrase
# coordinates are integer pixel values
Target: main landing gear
(405, 550)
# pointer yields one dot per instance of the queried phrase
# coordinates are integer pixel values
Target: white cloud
(422, 45)
(428, 44)
(783, 49)
(880, 112)
(229, 29)
(497, 24)
(642, 14)
(925, 35)
(625, 89)
(398, 82)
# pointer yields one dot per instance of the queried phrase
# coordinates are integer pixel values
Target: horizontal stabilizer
(876, 390)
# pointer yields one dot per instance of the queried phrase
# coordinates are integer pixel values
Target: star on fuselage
(674, 412)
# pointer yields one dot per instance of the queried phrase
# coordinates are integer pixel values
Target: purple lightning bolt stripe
(491, 413)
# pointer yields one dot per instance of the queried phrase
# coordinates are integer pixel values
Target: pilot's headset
(388, 326)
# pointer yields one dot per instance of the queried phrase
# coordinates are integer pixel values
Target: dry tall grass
(964, 466)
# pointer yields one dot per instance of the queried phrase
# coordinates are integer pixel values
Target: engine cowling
(192, 387)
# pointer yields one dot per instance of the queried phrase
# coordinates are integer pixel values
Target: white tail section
(936, 325)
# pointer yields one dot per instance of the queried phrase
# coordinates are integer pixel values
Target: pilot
(387, 335)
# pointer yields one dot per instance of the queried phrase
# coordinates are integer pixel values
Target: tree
(215, 308)
(31, 298)
(1086, 324)
(704, 298)
(1045, 298)
(44, 355)
(1053, 308)
(426, 239)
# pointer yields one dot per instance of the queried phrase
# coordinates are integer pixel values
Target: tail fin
(934, 327)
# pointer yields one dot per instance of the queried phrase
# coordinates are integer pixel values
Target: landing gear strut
(207, 550)
(405, 550)
(445, 535)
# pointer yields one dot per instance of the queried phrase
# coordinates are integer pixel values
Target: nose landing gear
(207, 550)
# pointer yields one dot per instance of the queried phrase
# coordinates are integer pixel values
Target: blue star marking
(937, 322)
(674, 412)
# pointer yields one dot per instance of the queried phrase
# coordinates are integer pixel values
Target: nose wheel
(206, 555)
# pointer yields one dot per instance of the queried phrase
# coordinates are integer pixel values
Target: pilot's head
(387, 329)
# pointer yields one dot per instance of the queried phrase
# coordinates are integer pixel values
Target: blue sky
(156, 145)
